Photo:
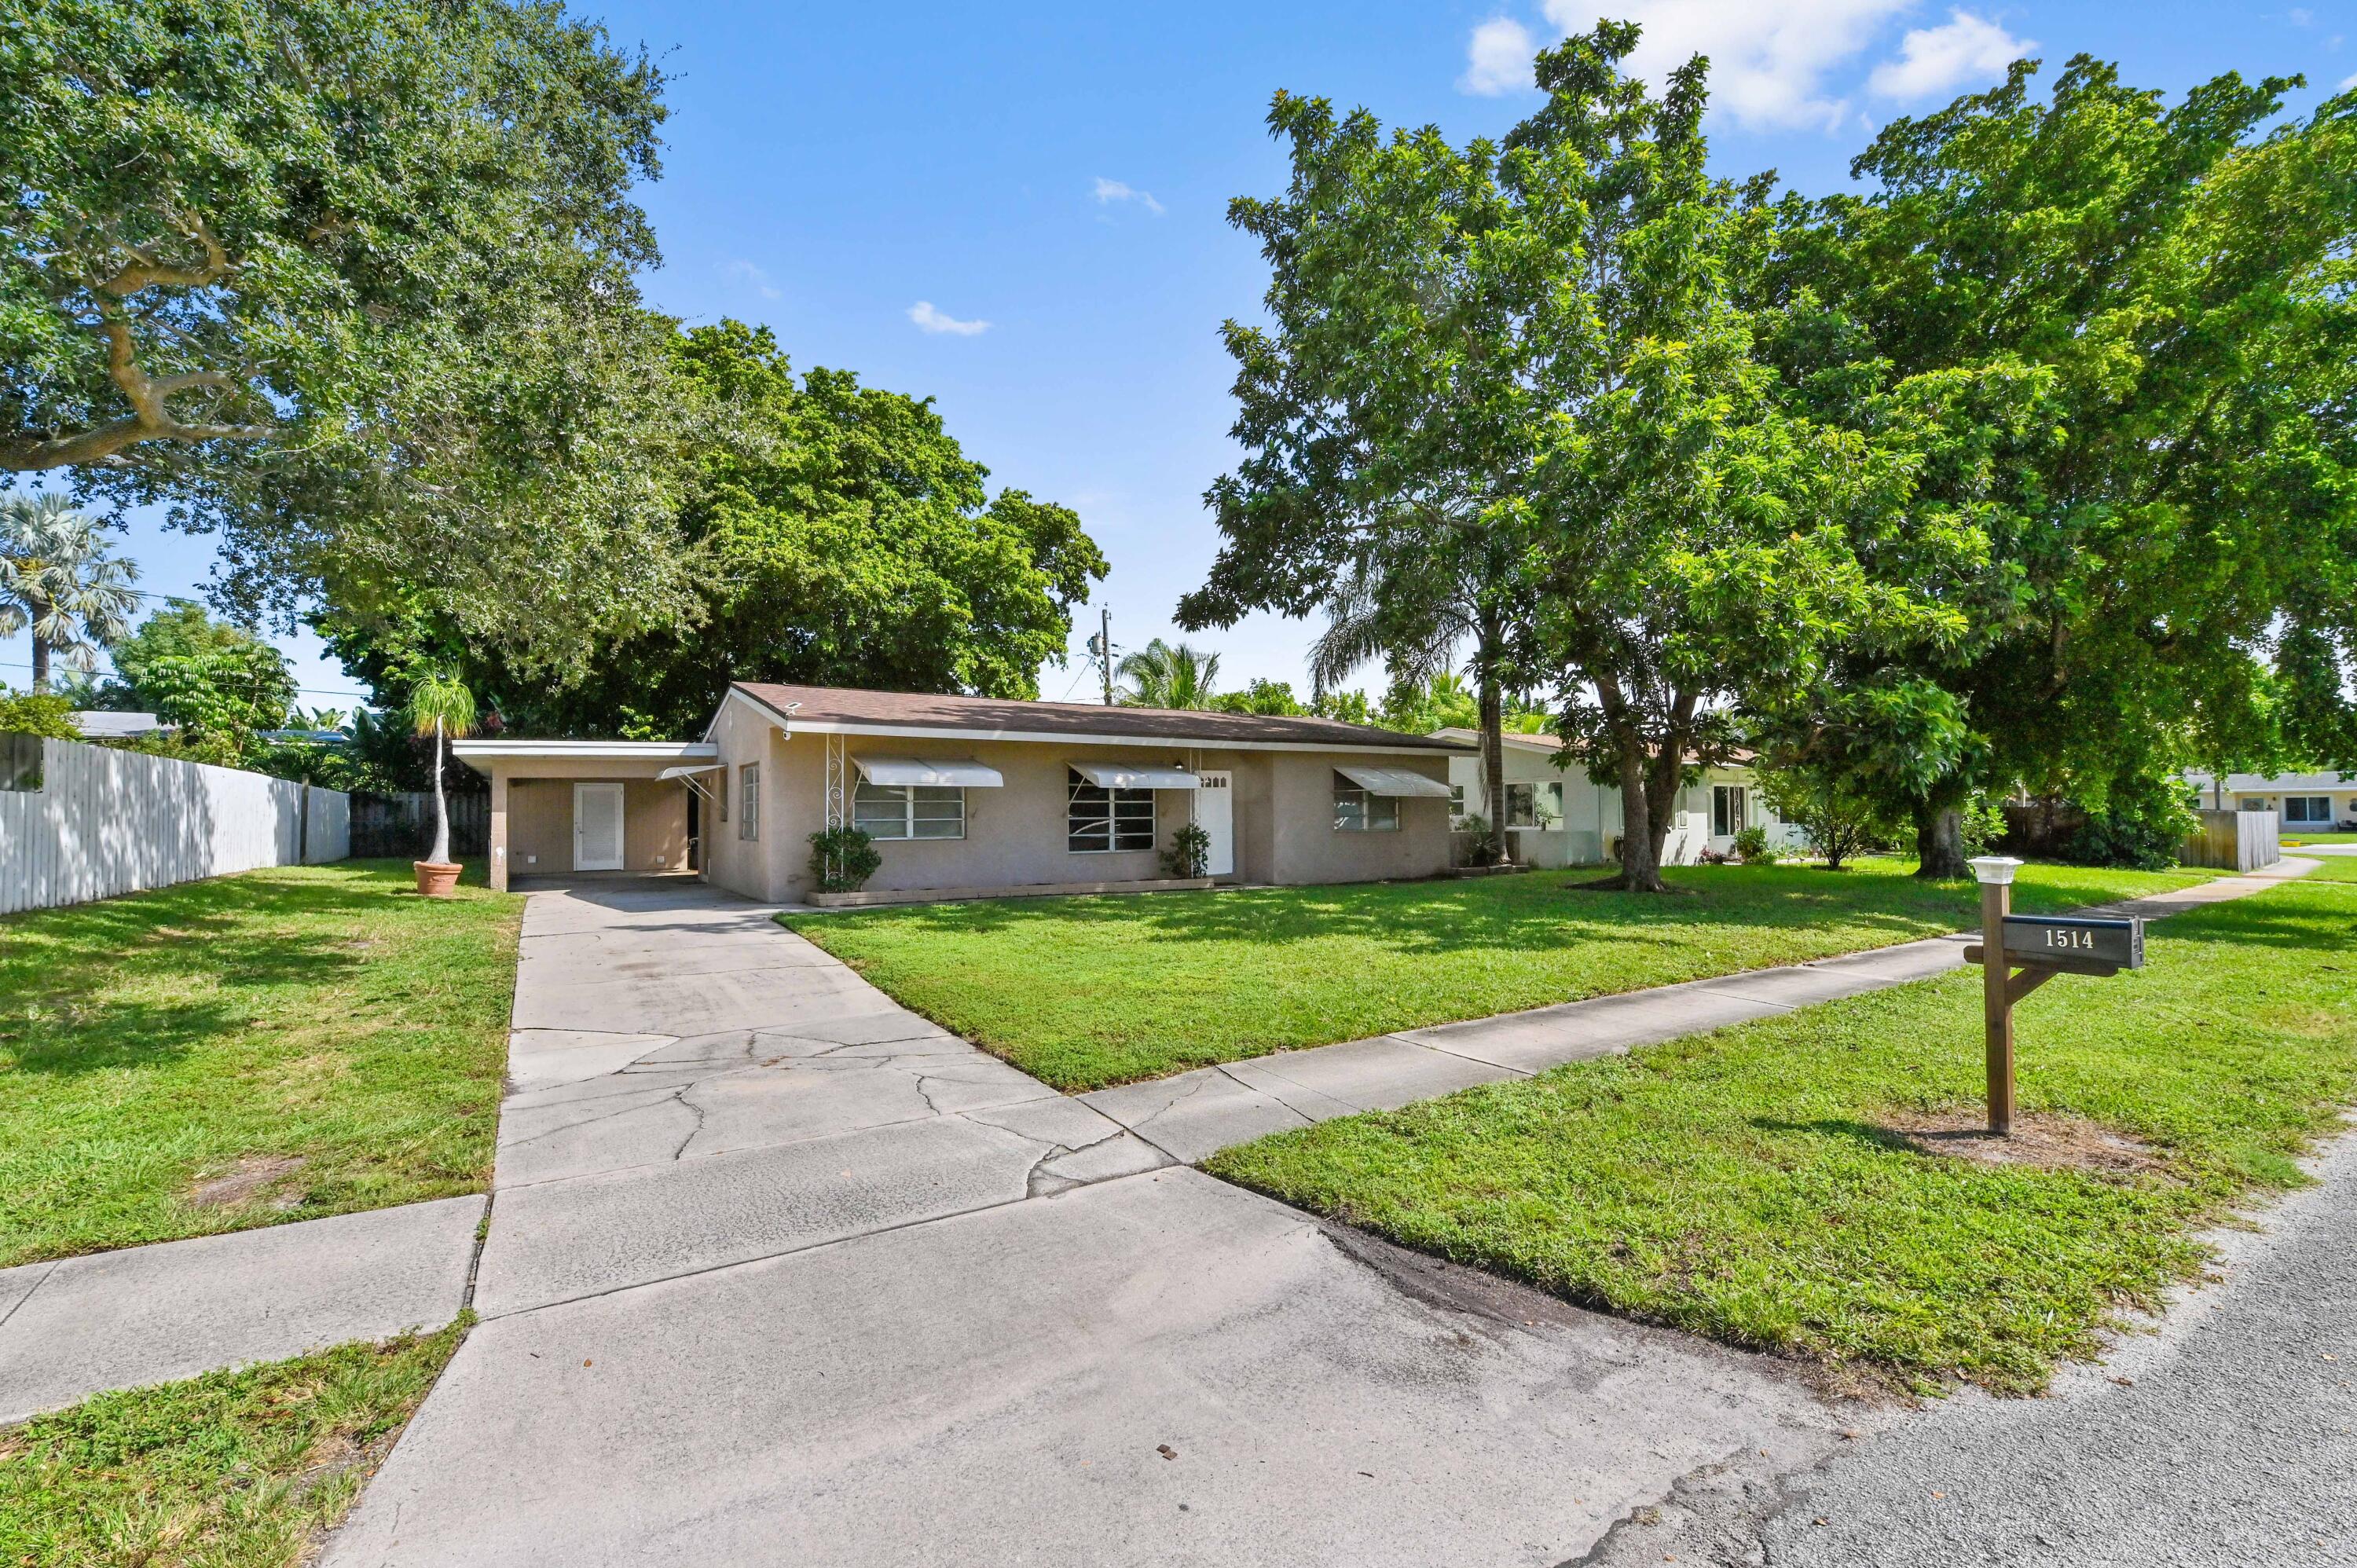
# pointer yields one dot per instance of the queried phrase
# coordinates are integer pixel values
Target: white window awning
(1132, 776)
(1393, 781)
(690, 771)
(897, 770)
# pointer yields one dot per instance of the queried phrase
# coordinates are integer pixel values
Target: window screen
(1096, 818)
(908, 810)
(1357, 811)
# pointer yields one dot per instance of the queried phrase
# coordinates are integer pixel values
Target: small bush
(843, 859)
(1752, 848)
(1190, 854)
(49, 716)
(2144, 824)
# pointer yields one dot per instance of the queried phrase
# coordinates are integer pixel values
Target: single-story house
(1557, 816)
(964, 795)
(2316, 801)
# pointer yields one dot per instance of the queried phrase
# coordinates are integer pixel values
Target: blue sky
(1020, 212)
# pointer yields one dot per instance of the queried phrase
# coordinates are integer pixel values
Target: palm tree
(57, 576)
(1167, 675)
(1411, 610)
(440, 705)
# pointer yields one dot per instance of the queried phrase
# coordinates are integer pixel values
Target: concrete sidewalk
(1195, 1114)
(150, 1315)
(779, 1271)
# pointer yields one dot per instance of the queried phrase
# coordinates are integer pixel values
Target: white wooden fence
(103, 821)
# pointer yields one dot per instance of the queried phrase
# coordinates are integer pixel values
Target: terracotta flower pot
(436, 881)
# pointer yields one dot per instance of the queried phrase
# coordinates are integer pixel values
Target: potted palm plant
(440, 705)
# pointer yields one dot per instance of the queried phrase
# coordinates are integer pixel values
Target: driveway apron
(779, 1271)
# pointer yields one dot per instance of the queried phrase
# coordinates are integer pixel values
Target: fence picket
(106, 821)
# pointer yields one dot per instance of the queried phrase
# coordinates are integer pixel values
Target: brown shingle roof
(922, 710)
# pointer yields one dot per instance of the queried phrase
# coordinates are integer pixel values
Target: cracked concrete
(781, 1272)
(773, 1257)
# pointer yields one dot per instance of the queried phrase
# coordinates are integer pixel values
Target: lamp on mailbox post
(2043, 947)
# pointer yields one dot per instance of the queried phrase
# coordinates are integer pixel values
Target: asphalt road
(2227, 1437)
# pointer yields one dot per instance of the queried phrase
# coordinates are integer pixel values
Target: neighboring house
(1556, 816)
(972, 794)
(102, 725)
(2316, 801)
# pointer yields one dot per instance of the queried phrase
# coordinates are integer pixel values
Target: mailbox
(2114, 944)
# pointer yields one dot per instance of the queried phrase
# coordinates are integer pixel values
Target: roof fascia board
(1057, 737)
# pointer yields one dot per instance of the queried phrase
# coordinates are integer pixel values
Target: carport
(591, 808)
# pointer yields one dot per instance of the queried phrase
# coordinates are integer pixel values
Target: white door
(597, 827)
(1215, 811)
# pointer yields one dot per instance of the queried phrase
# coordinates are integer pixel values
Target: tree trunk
(41, 668)
(441, 855)
(1940, 835)
(1641, 840)
(1494, 745)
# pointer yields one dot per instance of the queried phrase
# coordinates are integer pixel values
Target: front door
(1215, 811)
(597, 827)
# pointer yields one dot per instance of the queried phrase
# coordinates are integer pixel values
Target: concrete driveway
(779, 1272)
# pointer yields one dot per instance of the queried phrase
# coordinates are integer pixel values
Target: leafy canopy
(352, 283)
(2125, 330)
(844, 538)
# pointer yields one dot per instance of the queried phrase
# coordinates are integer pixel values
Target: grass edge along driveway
(278, 1045)
(233, 1469)
(1086, 991)
(1747, 1184)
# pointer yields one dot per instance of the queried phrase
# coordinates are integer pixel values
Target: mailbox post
(1996, 874)
(2042, 947)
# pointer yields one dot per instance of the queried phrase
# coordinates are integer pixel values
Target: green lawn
(1087, 992)
(229, 1470)
(2302, 835)
(1746, 1184)
(221, 1055)
(2333, 868)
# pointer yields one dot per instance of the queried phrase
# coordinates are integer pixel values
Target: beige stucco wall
(1309, 849)
(1014, 837)
(540, 825)
(532, 814)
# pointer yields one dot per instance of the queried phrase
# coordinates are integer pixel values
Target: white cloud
(1498, 61)
(2300, 15)
(1934, 61)
(2347, 83)
(928, 319)
(1112, 190)
(1769, 59)
(746, 272)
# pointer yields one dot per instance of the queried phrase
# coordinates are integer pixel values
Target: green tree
(1385, 412)
(1272, 698)
(58, 577)
(1441, 700)
(1695, 544)
(2136, 318)
(844, 538)
(183, 631)
(1169, 675)
(440, 705)
(351, 283)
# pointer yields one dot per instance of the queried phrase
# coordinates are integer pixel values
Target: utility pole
(1101, 645)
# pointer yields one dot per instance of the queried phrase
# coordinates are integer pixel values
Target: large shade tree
(843, 538)
(1385, 412)
(351, 283)
(61, 580)
(2151, 303)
